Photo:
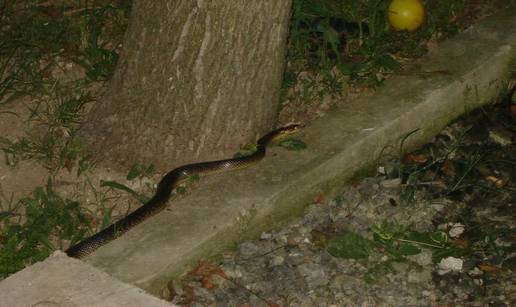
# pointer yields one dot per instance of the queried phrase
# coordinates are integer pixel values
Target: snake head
(291, 128)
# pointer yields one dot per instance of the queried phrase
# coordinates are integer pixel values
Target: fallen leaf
(319, 198)
(489, 268)
(461, 243)
(498, 182)
(206, 269)
(207, 283)
(319, 238)
(187, 296)
(415, 158)
(448, 169)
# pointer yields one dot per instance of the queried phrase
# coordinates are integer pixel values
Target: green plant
(36, 37)
(352, 38)
(30, 232)
(59, 110)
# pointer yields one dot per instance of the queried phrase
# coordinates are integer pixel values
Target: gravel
(291, 265)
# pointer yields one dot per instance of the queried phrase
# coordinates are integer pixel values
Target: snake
(164, 189)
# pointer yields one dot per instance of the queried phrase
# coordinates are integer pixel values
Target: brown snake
(168, 183)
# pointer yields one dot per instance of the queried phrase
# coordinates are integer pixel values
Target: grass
(57, 112)
(334, 42)
(45, 221)
(452, 164)
(52, 53)
(40, 44)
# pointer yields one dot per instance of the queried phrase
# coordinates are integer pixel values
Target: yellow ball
(406, 14)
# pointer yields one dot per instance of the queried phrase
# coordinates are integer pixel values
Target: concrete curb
(477, 66)
(65, 282)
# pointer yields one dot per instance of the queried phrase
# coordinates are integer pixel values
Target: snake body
(165, 187)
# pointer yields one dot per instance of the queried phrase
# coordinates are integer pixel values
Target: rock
(391, 183)
(449, 264)
(248, 248)
(420, 276)
(501, 136)
(456, 230)
(314, 274)
(265, 236)
(424, 258)
(276, 260)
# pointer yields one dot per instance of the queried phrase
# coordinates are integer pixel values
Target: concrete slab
(60, 281)
(477, 66)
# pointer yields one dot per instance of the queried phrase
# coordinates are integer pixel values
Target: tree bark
(195, 81)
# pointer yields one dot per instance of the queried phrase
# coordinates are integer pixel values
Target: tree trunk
(195, 81)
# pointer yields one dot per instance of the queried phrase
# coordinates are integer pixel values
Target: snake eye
(293, 127)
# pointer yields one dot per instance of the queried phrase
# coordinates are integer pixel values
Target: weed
(47, 219)
(140, 171)
(38, 40)
(118, 186)
(354, 38)
(58, 112)
(34, 35)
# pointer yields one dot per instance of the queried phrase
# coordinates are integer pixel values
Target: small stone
(438, 207)
(456, 230)
(500, 136)
(479, 282)
(399, 266)
(265, 236)
(276, 260)
(419, 276)
(424, 258)
(204, 295)
(283, 239)
(304, 230)
(476, 272)
(449, 264)
(381, 170)
(296, 240)
(247, 249)
(314, 274)
(391, 183)
(232, 271)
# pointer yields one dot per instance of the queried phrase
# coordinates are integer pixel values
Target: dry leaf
(188, 295)
(207, 283)
(448, 169)
(415, 158)
(513, 110)
(489, 268)
(498, 182)
(461, 243)
(206, 269)
(319, 198)
(319, 238)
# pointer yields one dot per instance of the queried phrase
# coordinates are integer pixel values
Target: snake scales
(168, 183)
